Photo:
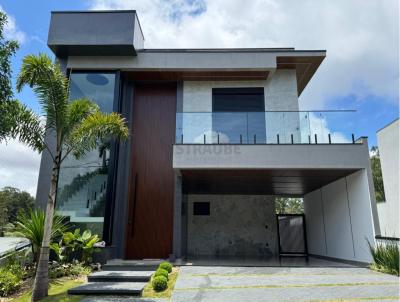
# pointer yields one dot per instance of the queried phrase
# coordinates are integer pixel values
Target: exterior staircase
(119, 277)
(85, 198)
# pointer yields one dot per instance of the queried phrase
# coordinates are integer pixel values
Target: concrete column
(177, 231)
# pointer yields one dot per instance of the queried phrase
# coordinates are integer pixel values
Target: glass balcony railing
(271, 127)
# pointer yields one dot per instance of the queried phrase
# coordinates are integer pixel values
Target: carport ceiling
(294, 182)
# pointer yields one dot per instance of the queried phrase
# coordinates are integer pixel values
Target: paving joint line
(285, 286)
(289, 274)
(357, 299)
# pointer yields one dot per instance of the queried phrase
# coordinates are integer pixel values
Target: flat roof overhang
(284, 169)
(283, 182)
(210, 75)
(113, 40)
(206, 64)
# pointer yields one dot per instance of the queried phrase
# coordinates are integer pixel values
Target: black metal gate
(292, 237)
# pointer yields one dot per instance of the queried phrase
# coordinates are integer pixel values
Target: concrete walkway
(242, 284)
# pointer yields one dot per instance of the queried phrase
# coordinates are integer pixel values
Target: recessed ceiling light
(97, 79)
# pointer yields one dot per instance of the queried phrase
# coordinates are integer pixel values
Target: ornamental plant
(161, 272)
(166, 265)
(159, 283)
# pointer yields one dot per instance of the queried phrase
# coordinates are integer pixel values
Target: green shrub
(58, 270)
(386, 257)
(9, 282)
(74, 244)
(161, 272)
(13, 264)
(160, 283)
(166, 265)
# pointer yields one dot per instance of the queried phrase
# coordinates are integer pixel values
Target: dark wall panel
(151, 188)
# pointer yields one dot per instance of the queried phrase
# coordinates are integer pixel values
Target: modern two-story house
(215, 136)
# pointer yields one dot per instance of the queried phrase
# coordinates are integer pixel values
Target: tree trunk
(41, 284)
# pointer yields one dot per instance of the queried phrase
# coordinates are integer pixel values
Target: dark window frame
(201, 208)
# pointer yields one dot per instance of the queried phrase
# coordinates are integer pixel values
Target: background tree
(285, 205)
(8, 106)
(12, 202)
(377, 174)
(77, 126)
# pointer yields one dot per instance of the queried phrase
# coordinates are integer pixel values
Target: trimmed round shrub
(166, 265)
(160, 283)
(161, 272)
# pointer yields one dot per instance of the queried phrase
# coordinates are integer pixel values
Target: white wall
(388, 145)
(316, 240)
(339, 219)
(280, 91)
(361, 213)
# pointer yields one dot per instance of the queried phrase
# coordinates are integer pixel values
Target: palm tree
(77, 125)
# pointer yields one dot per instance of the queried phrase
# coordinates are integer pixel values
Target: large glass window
(82, 186)
(238, 115)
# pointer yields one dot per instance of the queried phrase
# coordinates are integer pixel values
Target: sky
(360, 72)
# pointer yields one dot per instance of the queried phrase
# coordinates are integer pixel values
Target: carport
(224, 199)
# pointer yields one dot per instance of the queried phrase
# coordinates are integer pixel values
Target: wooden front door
(151, 190)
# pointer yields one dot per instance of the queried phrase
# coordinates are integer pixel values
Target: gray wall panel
(121, 198)
(238, 225)
(95, 33)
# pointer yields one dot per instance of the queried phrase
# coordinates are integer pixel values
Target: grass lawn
(57, 291)
(149, 292)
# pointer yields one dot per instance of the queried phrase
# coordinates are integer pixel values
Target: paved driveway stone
(258, 284)
(122, 299)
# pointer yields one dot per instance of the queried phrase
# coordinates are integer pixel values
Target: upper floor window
(238, 100)
(238, 115)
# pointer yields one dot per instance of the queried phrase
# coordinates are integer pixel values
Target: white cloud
(319, 126)
(361, 37)
(11, 30)
(19, 166)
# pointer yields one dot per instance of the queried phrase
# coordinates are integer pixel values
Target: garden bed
(149, 292)
(57, 291)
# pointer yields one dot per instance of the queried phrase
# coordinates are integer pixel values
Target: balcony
(292, 141)
(271, 127)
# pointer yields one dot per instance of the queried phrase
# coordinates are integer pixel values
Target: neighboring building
(388, 146)
(215, 136)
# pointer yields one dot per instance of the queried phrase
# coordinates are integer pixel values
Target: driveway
(257, 284)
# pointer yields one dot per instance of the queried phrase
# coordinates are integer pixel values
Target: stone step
(120, 276)
(109, 288)
(131, 265)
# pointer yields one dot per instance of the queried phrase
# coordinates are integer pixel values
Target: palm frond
(49, 84)
(78, 110)
(95, 128)
(30, 225)
(28, 127)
